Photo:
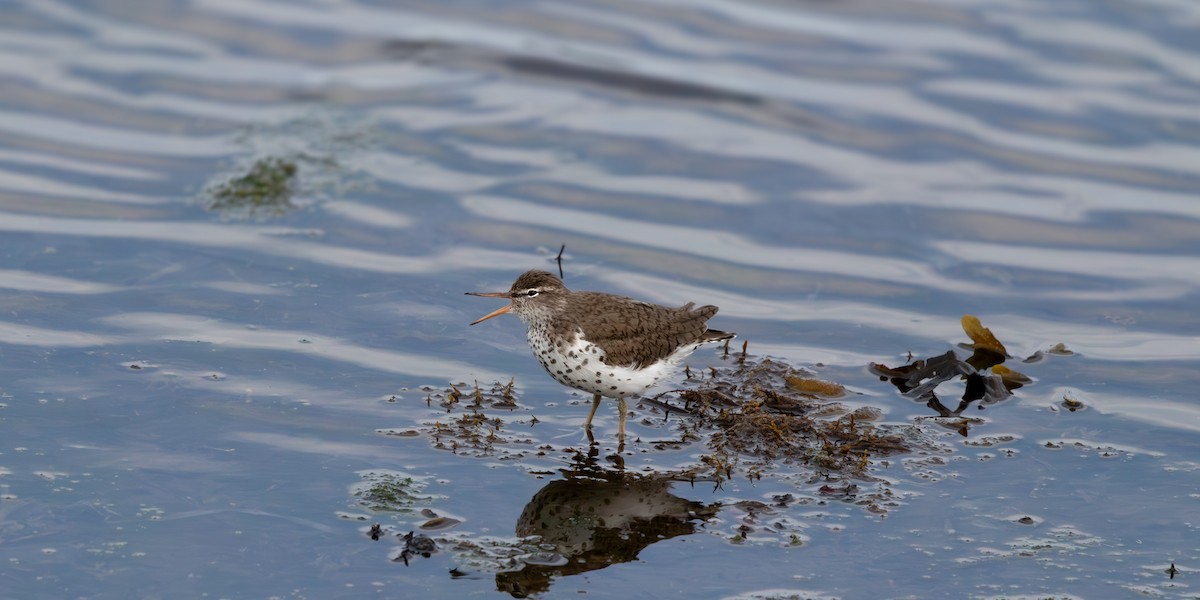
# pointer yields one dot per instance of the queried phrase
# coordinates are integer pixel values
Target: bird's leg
(595, 405)
(621, 425)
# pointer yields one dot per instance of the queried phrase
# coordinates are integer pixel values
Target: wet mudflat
(960, 243)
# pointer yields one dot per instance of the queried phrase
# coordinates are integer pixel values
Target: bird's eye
(531, 293)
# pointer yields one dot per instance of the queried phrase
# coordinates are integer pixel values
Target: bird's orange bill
(498, 311)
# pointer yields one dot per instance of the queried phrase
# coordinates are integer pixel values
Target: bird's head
(534, 296)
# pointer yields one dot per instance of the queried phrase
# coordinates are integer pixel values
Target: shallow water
(193, 397)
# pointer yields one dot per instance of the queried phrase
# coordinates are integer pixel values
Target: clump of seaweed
(389, 491)
(760, 413)
(985, 378)
(468, 428)
(265, 189)
(754, 416)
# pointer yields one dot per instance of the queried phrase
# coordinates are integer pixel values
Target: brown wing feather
(638, 333)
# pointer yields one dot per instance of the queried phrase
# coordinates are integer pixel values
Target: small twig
(667, 408)
(559, 260)
(661, 394)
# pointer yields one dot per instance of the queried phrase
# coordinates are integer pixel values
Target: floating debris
(987, 380)
(440, 524)
(1072, 404)
(816, 387)
(983, 338)
(398, 432)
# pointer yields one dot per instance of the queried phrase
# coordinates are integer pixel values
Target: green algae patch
(389, 491)
(266, 189)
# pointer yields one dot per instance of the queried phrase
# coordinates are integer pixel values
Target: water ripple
(39, 282)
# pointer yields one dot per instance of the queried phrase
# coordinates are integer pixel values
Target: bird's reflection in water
(596, 518)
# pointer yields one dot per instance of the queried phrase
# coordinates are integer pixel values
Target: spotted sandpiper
(601, 343)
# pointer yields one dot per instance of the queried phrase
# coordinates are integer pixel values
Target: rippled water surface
(195, 396)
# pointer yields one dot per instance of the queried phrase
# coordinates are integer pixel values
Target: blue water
(191, 397)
